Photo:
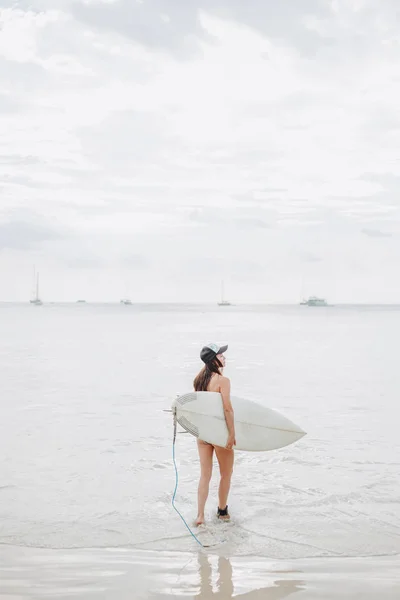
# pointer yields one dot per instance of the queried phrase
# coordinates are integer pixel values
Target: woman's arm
(225, 386)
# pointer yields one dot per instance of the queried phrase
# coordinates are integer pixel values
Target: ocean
(86, 444)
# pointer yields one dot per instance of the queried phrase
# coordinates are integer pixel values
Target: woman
(211, 379)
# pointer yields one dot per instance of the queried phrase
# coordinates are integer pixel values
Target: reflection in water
(224, 582)
(224, 585)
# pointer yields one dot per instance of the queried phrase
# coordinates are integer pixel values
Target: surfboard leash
(177, 482)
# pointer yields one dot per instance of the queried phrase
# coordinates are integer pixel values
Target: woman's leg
(206, 463)
(225, 459)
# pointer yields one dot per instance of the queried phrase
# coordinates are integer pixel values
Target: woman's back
(215, 383)
(210, 379)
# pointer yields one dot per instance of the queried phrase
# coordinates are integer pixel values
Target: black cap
(210, 351)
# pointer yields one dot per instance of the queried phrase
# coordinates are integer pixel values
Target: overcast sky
(155, 147)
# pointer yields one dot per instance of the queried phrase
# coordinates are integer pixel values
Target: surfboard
(257, 428)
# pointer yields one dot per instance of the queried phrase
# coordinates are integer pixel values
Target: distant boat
(223, 302)
(314, 301)
(36, 298)
(81, 301)
(125, 301)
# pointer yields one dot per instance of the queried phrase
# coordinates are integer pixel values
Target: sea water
(86, 445)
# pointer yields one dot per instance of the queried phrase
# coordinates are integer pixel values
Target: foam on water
(88, 448)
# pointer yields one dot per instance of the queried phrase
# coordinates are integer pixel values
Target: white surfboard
(257, 428)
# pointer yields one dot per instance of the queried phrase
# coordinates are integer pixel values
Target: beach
(86, 473)
(130, 574)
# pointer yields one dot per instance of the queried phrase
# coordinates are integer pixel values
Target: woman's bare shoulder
(224, 381)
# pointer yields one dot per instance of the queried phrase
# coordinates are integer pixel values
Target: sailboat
(223, 302)
(126, 300)
(36, 299)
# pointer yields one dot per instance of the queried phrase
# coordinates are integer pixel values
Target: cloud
(7, 104)
(18, 234)
(148, 136)
(135, 261)
(84, 262)
(309, 257)
(376, 233)
(388, 181)
(283, 20)
(29, 181)
(158, 24)
(239, 268)
(19, 76)
(308, 25)
(127, 138)
(238, 219)
(15, 159)
(177, 27)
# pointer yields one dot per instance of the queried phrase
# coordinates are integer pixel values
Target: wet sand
(122, 574)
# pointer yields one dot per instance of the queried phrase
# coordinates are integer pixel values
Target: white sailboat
(223, 302)
(127, 298)
(36, 298)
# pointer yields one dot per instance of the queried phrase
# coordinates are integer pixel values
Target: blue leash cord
(176, 486)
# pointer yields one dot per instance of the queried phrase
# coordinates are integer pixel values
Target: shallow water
(86, 446)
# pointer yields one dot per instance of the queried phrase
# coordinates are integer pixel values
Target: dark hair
(202, 380)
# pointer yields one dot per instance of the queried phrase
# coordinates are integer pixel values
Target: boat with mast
(36, 298)
(127, 298)
(223, 302)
